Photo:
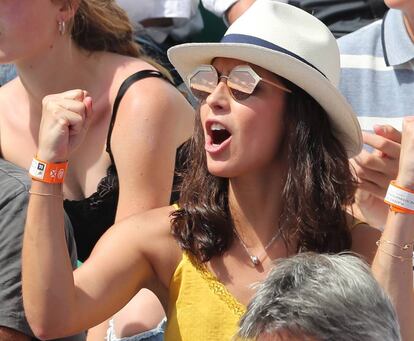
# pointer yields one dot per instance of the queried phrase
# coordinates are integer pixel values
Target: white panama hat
(288, 42)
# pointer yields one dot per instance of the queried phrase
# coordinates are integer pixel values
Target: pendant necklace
(256, 260)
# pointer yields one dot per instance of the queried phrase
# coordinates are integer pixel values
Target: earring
(62, 27)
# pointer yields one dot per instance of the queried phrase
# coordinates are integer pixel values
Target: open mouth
(218, 134)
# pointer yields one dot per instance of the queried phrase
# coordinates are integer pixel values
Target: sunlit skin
(254, 165)
(50, 62)
(402, 5)
(36, 35)
(254, 198)
(254, 161)
(255, 124)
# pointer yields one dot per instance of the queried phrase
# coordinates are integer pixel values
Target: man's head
(318, 297)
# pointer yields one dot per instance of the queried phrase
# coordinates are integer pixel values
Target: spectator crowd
(159, 184)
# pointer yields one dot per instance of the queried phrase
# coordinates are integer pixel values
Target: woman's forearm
(393, 268)
(47, 278)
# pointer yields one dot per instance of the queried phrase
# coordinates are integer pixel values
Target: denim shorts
(156, 334)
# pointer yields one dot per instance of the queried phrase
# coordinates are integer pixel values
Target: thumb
(388, 132)
(408, 119)
(408, 123)
(87, 101)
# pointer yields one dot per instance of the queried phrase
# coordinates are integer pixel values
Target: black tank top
(92, 216)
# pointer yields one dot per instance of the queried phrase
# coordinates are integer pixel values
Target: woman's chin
(222, 170)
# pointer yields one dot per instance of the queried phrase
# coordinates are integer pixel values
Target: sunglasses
(241, 81)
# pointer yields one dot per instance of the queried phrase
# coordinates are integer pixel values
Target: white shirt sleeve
(218, 7)
(140, 10)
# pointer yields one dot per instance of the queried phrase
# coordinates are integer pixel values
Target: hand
(374, 171)
(65, 120)
(405, 176)
(369, 209)
(237, 9)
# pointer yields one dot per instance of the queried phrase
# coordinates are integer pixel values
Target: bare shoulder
(151, 92)
(12, 99)
(11, 92)
(364, 238)
(152, 105)
(125, 66)
(149, 109)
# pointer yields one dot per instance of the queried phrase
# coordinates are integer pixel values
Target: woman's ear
(67, 9)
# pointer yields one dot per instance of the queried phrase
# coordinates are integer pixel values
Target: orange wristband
(400, 199)
(52, 173)
(399, 209)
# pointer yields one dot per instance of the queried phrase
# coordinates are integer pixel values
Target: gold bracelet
(46, 194)
(402, 259)
(403, 247)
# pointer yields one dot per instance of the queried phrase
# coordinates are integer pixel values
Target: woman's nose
(220, 97)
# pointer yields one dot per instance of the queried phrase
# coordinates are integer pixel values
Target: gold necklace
(256, 260)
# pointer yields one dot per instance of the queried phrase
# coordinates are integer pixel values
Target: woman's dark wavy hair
(318, 186)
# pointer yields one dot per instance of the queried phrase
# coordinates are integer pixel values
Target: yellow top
(200, 306)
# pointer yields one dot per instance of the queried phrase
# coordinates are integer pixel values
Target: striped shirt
(377, 75)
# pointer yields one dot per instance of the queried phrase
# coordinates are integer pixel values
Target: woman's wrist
(49, 172)
(400, 198)
(48, 188)
(50, 157)
(405, 182)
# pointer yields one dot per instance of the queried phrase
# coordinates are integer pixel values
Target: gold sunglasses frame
(238, 68)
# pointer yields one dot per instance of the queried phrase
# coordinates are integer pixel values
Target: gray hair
(327, 297)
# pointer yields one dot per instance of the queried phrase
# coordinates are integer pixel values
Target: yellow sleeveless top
(200, 306)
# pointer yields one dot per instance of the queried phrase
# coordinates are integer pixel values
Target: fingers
(365, 174)
(374, 182)
(71, 96)
(375, 170)
(76, 94)
(386, 147)
(72, 105)
(408, 125)
(73, 121)
(76, 101)
(373, 162)
(373, 188)
(406, 170)
(388, 132)
(369, 208)
(89, 111)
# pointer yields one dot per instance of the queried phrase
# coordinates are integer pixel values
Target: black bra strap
(121, 92)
